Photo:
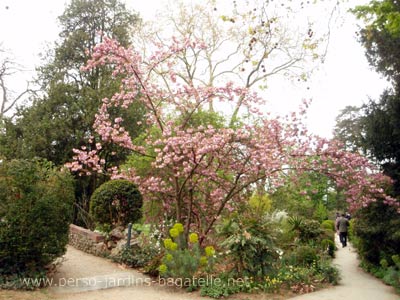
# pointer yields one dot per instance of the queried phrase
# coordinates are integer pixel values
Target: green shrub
(376, 233)
(328, 246)
(327, 272)
(116, 202)
(320, 212)
(251, 244)
(392, 277)
(221, 287)
(328, 224)
(304, 255)
(35, 212)
(309, 230)
(144, 249)
(384, 263)
(295, 223)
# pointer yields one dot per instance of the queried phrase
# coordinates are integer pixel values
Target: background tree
(380, 36)
(309, 195)
(374, 129)
(8, 99)
(245, 44)
(62, 117)
(381, 39)
(349, 129)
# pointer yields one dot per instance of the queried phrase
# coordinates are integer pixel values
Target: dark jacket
(342, 224)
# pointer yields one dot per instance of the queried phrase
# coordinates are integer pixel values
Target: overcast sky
(27, 26)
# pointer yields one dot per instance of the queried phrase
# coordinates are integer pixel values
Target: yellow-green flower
(179, 227)
(173, 246)
(203, 261)
(173, 232)
(169, 257)
(210, 251)
(193, 238)
(167, 243)
(162, 269)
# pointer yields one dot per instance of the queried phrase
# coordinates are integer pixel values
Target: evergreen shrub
(309, 230)
(35, 212)
(328, 224)
(304, 255)
(116, 202)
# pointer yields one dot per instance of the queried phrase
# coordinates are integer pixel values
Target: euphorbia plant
(200, 171)
(183, 261)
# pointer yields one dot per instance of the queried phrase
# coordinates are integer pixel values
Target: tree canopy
(198, 172)
(61, 117)
(378, 126)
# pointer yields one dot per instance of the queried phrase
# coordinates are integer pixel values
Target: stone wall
(87, 240)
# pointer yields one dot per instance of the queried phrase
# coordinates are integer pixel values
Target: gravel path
(355, 283)
(86, 277)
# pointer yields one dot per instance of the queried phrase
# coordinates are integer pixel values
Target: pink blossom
(204, 170)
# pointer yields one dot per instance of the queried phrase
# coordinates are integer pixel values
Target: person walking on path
(342, 226)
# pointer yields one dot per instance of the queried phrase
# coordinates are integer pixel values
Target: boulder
(121, 244)
(111, 244)
(117, 233)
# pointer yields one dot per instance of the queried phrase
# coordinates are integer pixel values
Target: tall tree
(381, 38)
(375, 129)
(8, 98)
(349, 129)
(62, 117)
(246, 44)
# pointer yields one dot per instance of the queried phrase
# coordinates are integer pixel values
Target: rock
(111, 244)
(121, 244)
(117, 233)
(100, 247)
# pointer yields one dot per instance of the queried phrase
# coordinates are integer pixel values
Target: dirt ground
(86, 277)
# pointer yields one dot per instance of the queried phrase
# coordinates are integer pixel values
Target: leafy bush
(375, 234)
(35, 212)
(261, 203)
(251, 243)
(328, 224)
(392, 277)
(329, 246)
(388, 272)
(309, 230)
(295, 222)
(320, 212)
(116, 202)
(304, 255)
(144, 249)
(327, 241)
(327, 272)
(222, 287)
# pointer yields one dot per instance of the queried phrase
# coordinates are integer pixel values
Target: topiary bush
(116, 202)
(35, 212)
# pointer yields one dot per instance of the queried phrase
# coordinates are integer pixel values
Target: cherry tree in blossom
(199, 171)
